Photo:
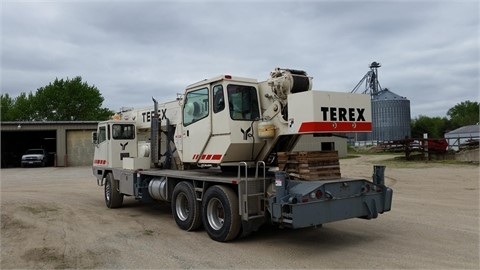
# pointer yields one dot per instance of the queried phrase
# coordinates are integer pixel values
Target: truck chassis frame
(237, 205)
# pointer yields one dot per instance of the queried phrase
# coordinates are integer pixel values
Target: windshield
(123, 131)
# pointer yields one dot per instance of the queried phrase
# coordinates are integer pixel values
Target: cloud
(429, 50)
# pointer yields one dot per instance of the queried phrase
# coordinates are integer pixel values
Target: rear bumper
(315, 213)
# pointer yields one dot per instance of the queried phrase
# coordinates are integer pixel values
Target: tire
(185, 208)
(220, 213)
(113, 197)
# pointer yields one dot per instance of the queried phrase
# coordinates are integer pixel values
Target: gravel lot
(56, 218)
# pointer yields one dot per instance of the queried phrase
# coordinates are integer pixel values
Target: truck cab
(114, 140)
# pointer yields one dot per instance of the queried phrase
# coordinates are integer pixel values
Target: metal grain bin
(390, 116)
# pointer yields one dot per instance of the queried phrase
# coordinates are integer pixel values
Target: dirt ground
(56, 218)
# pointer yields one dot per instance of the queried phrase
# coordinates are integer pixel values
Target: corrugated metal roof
(386, 94)
(47, 125)
(465, 129)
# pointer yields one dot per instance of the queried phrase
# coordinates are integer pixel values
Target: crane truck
(213, 155)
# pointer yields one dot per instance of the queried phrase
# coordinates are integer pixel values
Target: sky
(135, 50)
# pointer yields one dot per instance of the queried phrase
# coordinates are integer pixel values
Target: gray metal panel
(311, 214)
(347, 199)
(80, 149)
(390, 117)
(126, 181)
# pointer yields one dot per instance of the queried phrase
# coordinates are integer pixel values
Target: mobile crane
(213, 154)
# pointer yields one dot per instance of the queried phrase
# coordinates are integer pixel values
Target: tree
(17, 109)
(464, 113)
(62, 100)
(6, 107)
(434, 126)
(24, 109)
(69, 100)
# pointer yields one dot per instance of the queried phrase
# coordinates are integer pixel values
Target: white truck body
(173, 152)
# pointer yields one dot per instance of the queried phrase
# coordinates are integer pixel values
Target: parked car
(34, 157)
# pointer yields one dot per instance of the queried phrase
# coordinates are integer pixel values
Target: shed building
(68, 143)
(460, 136)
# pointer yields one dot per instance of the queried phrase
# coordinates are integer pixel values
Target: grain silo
(390, 112)
(390, 116)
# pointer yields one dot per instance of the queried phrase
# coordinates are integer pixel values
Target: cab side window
(218, 99)
(102, 134)
(196, 106)
(243, 102)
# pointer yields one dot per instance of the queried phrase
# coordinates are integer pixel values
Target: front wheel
(220, 213)
(113, 197)
(185, 207)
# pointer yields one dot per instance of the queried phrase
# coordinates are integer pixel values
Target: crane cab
(219, 119)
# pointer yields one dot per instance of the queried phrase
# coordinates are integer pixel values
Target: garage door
(79, 148)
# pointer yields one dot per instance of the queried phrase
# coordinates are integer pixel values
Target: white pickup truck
(34, 157)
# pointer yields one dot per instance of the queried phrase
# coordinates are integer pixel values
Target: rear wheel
(113, 197)
(185, 208)
(220, 213)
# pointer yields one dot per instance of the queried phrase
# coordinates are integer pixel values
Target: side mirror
(94, 137)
